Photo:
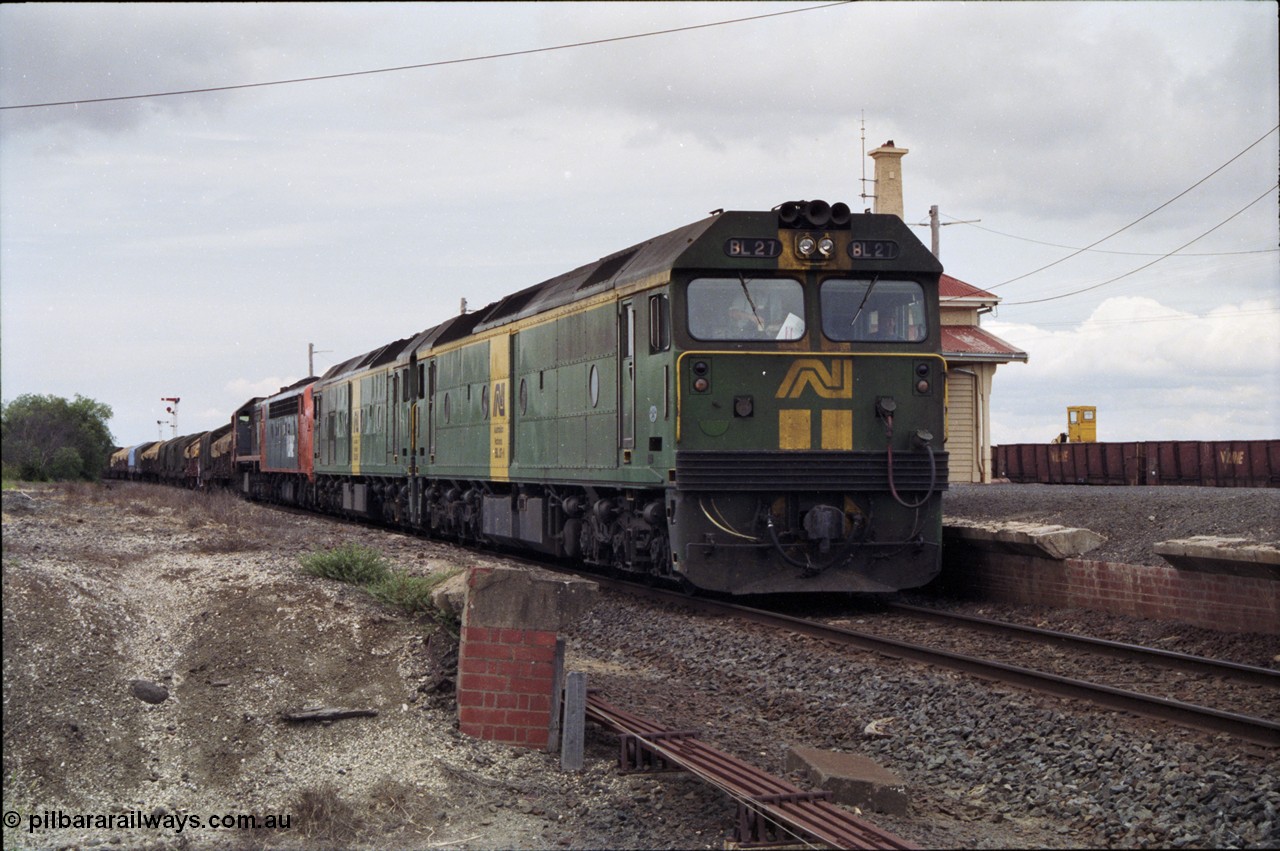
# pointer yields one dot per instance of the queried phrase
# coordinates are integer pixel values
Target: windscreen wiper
(754, 312)
(865, 296)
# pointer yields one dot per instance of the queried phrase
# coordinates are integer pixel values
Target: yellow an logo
(833, 383)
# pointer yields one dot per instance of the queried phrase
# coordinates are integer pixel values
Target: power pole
(935, 226)
(311, 358)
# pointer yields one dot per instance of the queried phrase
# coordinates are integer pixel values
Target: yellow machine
(1082, 424)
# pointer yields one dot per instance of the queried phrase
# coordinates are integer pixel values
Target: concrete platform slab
(1029, 539)
(852, 779)
(525, 598)
(1213, 554)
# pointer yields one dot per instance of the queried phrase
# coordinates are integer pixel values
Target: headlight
(807, 245)
(825, 245)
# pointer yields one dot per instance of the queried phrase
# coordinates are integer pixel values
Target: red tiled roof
(954, 288)
(969, 342)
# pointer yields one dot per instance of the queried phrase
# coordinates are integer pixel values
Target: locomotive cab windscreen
(869, 310)
(852, 310)
(743, 309)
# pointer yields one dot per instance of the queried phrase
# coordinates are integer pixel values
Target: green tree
(48, 437)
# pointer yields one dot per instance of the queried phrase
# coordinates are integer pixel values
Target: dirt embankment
(202, 596)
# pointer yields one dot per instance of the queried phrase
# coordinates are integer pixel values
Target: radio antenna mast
(863, 195)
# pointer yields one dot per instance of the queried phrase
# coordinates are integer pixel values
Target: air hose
(921, 438)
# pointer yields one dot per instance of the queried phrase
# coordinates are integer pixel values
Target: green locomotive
(752, 403)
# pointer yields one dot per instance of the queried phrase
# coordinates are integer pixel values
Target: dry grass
(85, 492)
(323, 816)
(221, 520)
(391, 798)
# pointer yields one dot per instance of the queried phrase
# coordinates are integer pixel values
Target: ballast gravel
(1030, 771)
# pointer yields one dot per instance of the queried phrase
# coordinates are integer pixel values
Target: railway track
(1249, 728)
(1165, 659)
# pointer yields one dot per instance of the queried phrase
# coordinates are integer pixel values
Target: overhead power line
(1108, 251)
(1153, 262)
(1139, 219)
(1143, 320)
(485, 58)
(1041, 330)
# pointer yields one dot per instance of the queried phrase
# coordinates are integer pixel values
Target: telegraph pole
(311, 358)
(935, 226)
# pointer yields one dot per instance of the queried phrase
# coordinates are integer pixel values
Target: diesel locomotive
(752, 403)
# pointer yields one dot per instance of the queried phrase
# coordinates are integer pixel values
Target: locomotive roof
(385, 353)
(656, 255)
(653, 259)
(693, 246)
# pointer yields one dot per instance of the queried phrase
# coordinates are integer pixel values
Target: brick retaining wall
(1212, 600)
(505, 684)
(507, 650)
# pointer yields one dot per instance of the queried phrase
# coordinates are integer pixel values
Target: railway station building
(972, 356)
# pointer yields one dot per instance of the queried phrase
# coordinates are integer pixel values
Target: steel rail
(1256, 730)
(807, 816)
(1118, 649)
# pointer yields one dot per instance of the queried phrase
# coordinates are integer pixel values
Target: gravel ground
(1131, 519)
(205, 598)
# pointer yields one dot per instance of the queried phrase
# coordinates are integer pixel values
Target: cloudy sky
(193, 245)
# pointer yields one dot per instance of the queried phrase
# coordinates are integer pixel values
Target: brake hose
(933, 469)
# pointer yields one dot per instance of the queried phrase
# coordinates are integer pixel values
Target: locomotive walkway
(770, 810)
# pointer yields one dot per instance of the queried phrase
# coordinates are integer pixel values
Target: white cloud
(1155, 373)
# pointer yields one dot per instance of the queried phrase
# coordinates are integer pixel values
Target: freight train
(752, 403)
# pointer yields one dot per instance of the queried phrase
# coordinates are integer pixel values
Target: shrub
(350, 562)
(366, 566)
(411, 593)
(48, 437)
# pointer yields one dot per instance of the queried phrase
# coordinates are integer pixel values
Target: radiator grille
(284, 407)
(806, 471)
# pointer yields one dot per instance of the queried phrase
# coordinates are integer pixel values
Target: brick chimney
(888, 178)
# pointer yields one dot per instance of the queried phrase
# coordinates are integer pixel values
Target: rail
(770, 810)
(1259, 731)
(1116, 649)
